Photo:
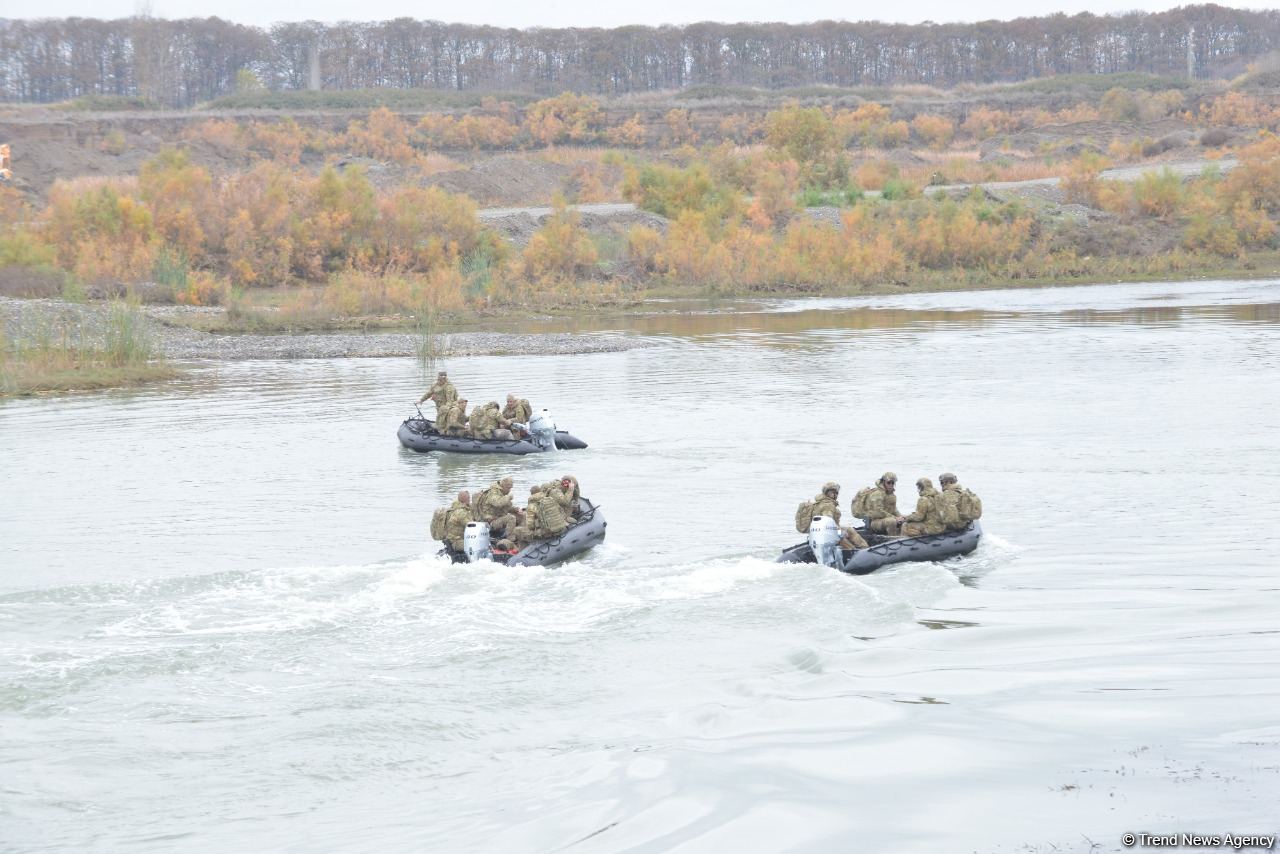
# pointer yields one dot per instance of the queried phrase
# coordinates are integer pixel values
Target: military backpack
(804, 515)
(970, 506)
(438, 519)
(859, 507)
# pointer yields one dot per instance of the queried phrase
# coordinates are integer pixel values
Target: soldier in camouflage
(484, 420)
(927, 518)
(442, 392)
(454, 419)
(455, 522)
(549, 509)
(529, 528)
(517, 410)
(495, 506)
(949, 502)
(827, 503)
(881, 513)
(568, 495)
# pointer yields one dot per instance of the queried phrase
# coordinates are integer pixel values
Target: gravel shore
(24, 319)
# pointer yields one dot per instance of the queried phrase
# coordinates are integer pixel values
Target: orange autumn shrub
(564, 118)
(101, 230)
(559, 251)
(935, 131)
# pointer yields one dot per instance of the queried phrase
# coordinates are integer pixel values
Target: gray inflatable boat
(585, 532)
(883, 551)
(419, 434)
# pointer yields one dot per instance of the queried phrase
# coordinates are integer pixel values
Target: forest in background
(183, 62)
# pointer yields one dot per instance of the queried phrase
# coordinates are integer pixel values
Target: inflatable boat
(419, 434)
(823, 546)
(585, 532)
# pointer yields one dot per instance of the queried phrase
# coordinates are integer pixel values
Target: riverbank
(179, 334)
(81, 328)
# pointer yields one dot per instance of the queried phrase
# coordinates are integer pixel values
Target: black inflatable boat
(586, 531)
(419, 434)
(888, 550)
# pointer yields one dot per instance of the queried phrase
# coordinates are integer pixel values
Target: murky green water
(221, 626)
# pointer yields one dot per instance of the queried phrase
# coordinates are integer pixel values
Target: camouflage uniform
(441, 392)
(927, 518)
(495, 507)
(457, 419)
(529, 530)
(549, 510)
(825, 505)
(882, 508)
(949, 506)
(568, 496)
(484, 420)
(455, 522)
(517, 410)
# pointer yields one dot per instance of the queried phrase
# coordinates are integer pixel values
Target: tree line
(181, 62)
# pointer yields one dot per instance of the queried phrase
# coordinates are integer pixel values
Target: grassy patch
(51, 359)
(1100, 83)
(107, 104)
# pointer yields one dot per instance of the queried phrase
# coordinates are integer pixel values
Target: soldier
(927, 518)
(484, 421)
(827, 503)
(517, 410)
(880, 510)
(460, 513)
(494, 506)
(446, 418)
(442, 392)
(959, 506)
(568, 493)
(548, 509)
(529, 529)
(949, 502)
(457, 419)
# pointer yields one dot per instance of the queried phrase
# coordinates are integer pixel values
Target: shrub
(564, 118)
(560, 251)
(936, 131)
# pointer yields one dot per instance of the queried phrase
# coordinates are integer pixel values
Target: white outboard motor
(542, 430)
(475, 542)
(824, 541)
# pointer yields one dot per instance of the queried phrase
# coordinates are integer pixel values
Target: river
(222, 626)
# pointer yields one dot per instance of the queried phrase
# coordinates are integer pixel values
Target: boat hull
(417, 434)
(888, 551)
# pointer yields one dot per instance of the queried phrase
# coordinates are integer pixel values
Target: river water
(222, 627)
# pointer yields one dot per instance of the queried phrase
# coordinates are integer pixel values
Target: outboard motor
(824, 541)
(475, 542)
(542, 430)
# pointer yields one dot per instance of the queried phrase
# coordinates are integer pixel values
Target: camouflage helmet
(924, 483)
(829, 486)
(442, 375)
(888, 477)
(506, 483)
(946, 477)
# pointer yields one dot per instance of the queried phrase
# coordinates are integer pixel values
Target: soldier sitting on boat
(827, 503)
